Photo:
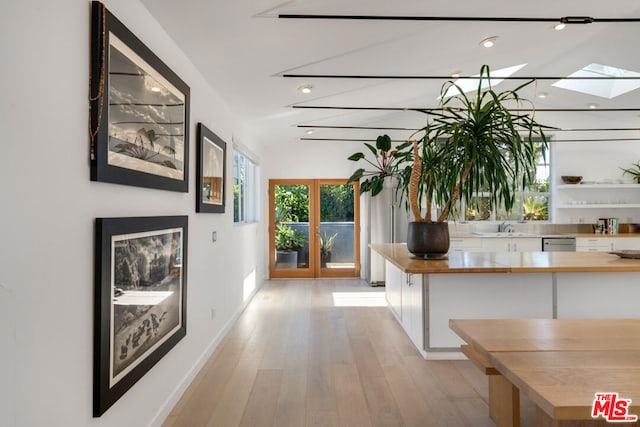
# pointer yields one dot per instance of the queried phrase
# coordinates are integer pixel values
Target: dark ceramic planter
(428, 240)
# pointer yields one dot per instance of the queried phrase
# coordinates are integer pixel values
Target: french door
(314, 228)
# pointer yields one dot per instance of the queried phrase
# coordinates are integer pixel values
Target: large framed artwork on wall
(139, 111)
(140, 300)
(211, 171)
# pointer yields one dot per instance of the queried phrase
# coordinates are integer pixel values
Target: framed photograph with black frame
(139, 111)
(140, 300)
(211, 171)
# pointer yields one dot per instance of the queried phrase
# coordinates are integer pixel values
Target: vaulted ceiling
(246, 49)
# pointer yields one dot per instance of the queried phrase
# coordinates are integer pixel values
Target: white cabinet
(594, 244)
(512, 244)
(606, 244)
(465, 244)
(622, 243)
(404, 296)
(412, 308)
(393, 289)
(495, 244)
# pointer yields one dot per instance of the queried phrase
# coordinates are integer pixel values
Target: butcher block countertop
(506, 262)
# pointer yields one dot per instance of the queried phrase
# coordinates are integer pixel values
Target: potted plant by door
(326, 245)
(288, 242)
(471, 144)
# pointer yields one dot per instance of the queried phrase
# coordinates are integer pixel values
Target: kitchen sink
(503, 234)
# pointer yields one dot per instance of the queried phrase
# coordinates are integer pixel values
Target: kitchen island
(424, 294)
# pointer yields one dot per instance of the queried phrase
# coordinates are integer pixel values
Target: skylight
(470, 85)
(602, 88)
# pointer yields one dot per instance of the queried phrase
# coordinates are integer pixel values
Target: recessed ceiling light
(305, 88)
(543, 95)
(593, 106)
(155, 89)
(455, 75)
(309, 131)
(489, 41)
(560, 26)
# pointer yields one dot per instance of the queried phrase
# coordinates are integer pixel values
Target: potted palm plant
(471, 144)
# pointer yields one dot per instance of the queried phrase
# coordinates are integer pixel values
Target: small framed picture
(211, 172)
(139, 111)
(140, 300)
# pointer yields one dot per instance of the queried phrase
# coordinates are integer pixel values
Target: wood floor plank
(292, 399)
(411, 406)
(233, 400)
(320, 393)
(261, 407)
(201, 398)
(351, 403)
(450, 380)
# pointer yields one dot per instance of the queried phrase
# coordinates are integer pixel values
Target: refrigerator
(382, 222)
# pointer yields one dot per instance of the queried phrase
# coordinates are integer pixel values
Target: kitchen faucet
(505, 227)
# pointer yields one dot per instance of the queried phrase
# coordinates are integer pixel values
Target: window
(531, 204)
(245, 193)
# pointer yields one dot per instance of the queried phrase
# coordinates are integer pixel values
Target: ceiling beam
(427, 109)
(564, 20)
(402, 140)
(425, 77)
(416, 129)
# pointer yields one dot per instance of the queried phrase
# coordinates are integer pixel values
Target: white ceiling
(243, 48)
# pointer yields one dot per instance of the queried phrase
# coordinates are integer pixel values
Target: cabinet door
(393, 289)
(595, 244)
(412, 308)
(465, 244)
(498, 244)
(626, 243)
(526, 244)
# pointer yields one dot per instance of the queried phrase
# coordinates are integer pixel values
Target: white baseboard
(179, 390)
(444, 355)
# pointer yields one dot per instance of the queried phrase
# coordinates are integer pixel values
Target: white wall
(48, 209)
(307, 159)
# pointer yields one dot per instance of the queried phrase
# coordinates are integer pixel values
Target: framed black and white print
(139, 111)
(140, 300)
(211, 171)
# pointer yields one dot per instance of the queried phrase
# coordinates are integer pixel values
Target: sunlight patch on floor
(249, 285)
(359, 299)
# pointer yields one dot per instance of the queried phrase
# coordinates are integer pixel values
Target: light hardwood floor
(294, 358)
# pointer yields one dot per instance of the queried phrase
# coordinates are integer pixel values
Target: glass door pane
(291, 237)
(336, 229)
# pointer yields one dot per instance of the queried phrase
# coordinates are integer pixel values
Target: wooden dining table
(560, 364)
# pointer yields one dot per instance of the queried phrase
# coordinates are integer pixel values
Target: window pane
(536, 208)
(478, 209)
(238, 187)
(245, 185)
(514, 215)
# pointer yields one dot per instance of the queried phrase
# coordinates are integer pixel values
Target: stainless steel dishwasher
(558, 244)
